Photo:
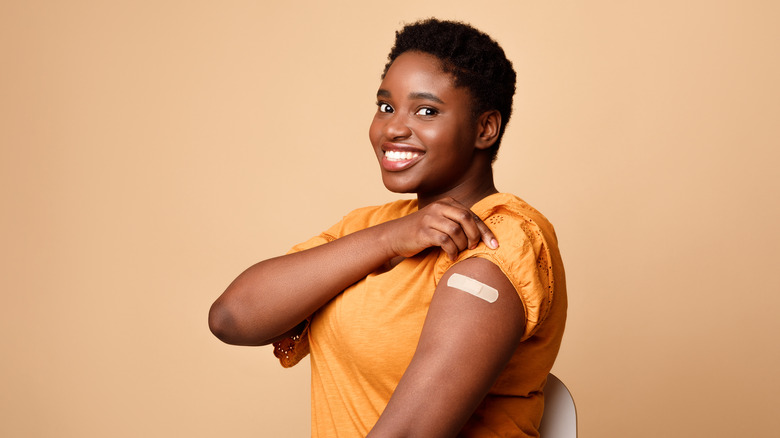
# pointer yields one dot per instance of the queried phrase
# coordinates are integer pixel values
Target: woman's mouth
(400, 155)
(397, 160)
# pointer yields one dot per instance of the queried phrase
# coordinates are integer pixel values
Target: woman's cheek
(374, 132)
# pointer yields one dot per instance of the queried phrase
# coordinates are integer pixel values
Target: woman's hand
(446, 223)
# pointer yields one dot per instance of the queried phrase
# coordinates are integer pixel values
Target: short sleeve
(523, 256)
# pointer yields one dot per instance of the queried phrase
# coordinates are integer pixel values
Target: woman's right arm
(275, 295)
(272, 297)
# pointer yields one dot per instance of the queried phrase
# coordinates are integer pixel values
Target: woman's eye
(385, 108)
(427, 112)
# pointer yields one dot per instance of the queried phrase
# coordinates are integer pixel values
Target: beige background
(152, 150)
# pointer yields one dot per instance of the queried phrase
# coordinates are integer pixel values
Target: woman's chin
(399, 189)
(396, 186)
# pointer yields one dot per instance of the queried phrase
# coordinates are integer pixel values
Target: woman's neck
(468, 193)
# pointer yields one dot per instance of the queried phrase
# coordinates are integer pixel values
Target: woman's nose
(397, 127)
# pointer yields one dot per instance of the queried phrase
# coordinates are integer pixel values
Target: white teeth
(400, 155)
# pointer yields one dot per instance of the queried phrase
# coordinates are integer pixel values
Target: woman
(429, 317)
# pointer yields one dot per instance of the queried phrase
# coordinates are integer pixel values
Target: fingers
(446, 224)
(463, 227)
(475, 228)
(449, 236)
(464, 220)
(487, 236)
(449, 246)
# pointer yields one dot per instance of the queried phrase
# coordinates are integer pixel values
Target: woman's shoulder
(391, 210)
(515, 220)
(500, 207)
(364, 217)
(359, 219)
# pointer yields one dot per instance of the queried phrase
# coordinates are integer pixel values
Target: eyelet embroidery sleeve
(292, 349)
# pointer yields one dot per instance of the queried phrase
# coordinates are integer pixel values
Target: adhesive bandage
(473, 287)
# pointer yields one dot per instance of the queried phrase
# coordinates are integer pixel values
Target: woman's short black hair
(476, 61)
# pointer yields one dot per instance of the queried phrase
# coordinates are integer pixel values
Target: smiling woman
(429, 317)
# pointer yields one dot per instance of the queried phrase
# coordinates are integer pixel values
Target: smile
(396, 159)
(400, 155)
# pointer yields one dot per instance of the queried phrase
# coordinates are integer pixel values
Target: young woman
(430, 317)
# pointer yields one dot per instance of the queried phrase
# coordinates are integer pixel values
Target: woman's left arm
(465, 343)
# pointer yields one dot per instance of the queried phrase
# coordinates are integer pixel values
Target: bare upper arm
(465, 343)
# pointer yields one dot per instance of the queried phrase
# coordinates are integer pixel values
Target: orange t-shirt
(362, 341)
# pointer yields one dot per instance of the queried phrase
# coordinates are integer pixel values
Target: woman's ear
(488, 127)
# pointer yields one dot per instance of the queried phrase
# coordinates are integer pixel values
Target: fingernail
(493, 243)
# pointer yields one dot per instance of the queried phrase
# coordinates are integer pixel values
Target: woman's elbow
(222, 322)
(231, 327)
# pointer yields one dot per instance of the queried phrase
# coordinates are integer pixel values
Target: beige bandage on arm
(474, 287)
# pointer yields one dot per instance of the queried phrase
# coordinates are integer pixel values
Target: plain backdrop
(152, 150)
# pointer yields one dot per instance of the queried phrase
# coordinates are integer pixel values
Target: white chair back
(560, 415)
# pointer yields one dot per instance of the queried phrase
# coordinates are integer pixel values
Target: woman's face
(423, 132)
